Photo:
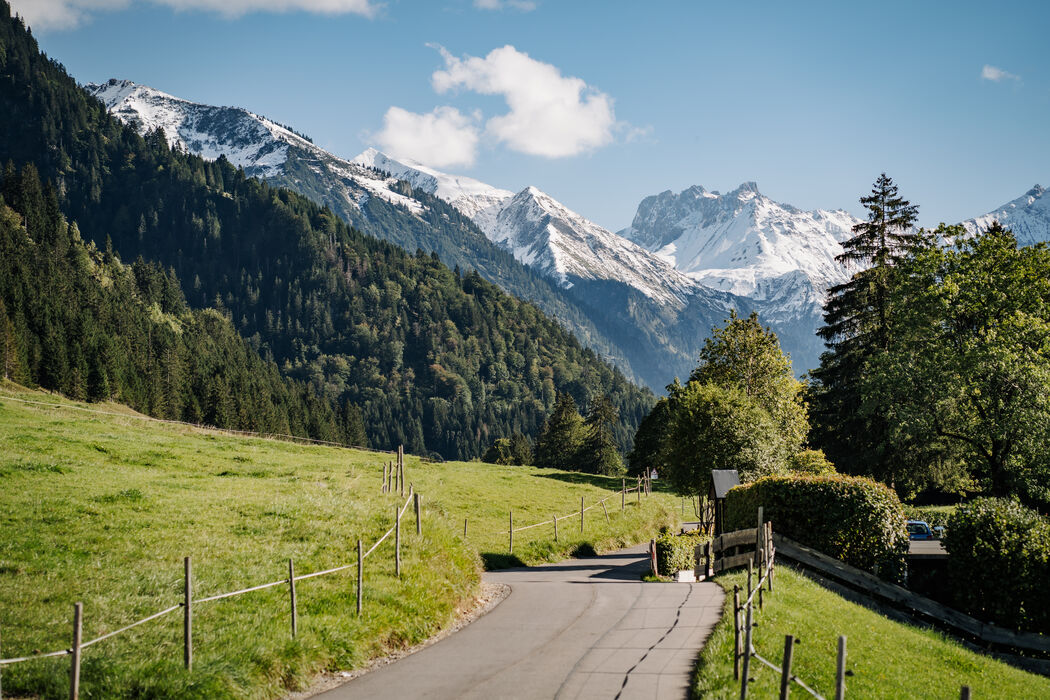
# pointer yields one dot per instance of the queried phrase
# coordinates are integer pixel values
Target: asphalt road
(583, 628)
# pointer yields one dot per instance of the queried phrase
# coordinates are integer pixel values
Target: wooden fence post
(623, 493)
(383, 488)
(187, 616)
(74, 667)
(397, 540)
(401, 468)
(291, 590)
(419, 515)
(360, 575)
(750, 567)
(708, 563)
(840, 671)
(510, 531)
(964, 693)
(606, 511)
(464, 528)
(746, 670)
(785, 667)
(759, 550)
(555, 528)
(652, 557)
(736, 632)
(769, 553)
(639, 490)
(581, 515)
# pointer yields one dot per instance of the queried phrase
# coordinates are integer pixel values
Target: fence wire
(208, 599)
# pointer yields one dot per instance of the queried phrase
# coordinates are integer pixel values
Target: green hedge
(675, 552)
(854, 519)
(999, 563)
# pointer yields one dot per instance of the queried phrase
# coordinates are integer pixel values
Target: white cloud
(523, 5)
(444, 137)
(550, 115)
(997, 75)
(43, 15)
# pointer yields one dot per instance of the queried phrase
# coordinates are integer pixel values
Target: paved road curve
(583, 628)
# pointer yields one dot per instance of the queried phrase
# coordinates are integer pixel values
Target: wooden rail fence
(723, 553)
(644, 486)
(188, 602)
(914, 603)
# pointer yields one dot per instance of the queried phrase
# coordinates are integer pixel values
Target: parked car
(920, 530)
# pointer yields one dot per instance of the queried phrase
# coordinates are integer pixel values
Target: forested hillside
(440, 361)
(75, 319)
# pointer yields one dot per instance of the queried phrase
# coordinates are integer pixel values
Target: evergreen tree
(559, 442)
(520, 449)
(857, 328)
(8, 348)
(650, 437)
(598, 454)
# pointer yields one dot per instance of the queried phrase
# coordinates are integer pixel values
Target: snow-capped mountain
(478, 201)
(547, 235)
(1028, 217)
(745, 243)
(646, 299)
(543, 233)
(262, 147)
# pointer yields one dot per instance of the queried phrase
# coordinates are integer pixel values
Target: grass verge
(888, 659)
(102, 509)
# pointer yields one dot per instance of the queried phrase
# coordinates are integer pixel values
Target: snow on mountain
(1028, 217)
(247, 140)
(476, 200)
(745, 243)
(260, 146)
(544, 233)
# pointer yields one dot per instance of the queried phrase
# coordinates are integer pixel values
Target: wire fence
(188, 602)
(393, 482)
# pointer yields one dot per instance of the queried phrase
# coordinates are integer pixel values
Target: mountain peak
(749, 187)
(1028, 217)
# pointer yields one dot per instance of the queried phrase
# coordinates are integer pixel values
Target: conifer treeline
(442, 362)
(75, 319)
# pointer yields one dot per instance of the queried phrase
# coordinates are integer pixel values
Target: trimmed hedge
(854, 519)
(999, 563)
(675, 552)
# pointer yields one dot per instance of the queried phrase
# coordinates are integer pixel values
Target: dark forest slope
(441, 362)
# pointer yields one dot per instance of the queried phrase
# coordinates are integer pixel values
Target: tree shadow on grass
(609, 483)
(494, 561)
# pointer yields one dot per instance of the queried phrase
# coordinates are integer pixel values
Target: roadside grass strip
(886, 659)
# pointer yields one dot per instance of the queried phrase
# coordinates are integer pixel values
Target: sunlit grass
(102, 509)
(887, 659)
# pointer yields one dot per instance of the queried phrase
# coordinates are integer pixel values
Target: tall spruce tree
(599, 454)
(559, 442)
(858, 327)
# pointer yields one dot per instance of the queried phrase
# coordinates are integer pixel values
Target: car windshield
(916, 529)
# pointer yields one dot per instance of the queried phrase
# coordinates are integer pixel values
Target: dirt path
(583, 628)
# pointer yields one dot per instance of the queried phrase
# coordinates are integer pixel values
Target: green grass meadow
(102, 509)
(888, 659)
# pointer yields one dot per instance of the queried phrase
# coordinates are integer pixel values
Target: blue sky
(811, 100)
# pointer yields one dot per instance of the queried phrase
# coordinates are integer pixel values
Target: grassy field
(102, 509)
(888, 659)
